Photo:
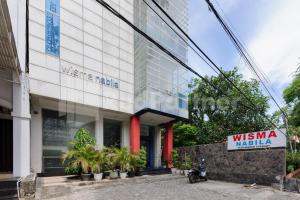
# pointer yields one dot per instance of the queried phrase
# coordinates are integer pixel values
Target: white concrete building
(72, 65)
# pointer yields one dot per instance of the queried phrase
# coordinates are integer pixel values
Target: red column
(168, 144)
(135, 132)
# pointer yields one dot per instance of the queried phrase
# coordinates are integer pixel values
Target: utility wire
(241, 49)
(203, 53)
(180, 36)
(117, 14)
(261, 72)
(145, 1)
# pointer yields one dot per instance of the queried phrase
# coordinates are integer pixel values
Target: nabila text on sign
(257, 140)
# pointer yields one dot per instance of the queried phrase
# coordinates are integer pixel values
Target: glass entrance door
(147, 138)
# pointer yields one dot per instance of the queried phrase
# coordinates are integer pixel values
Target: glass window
(112, 133)
(59, 129)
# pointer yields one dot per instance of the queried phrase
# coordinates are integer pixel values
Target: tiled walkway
(163, 187)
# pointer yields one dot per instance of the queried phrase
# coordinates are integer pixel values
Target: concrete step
(158, 171)
(5, 193)
(8, 188)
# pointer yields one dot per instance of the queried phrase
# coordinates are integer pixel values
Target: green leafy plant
(83, 156)
(70, 170)
(186, 163)
(79, 157)
(290, 168)
(111, 158)
(175, 158)
(83, 138)
(293, 159)
(123, 159)
(138, 161)
(142, 162)
(133, 162)
(99, 163)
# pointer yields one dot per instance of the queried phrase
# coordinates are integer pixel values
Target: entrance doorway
(147, 138)
(6, 145)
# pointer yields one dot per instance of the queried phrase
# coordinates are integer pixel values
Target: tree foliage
(291, 96)
(215, 114)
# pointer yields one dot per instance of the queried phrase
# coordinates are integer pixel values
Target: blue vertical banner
(52, 26)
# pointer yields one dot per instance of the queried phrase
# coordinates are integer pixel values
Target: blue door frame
(148, 142)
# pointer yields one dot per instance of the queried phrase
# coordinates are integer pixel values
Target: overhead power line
(180, 36)
(261, 72)
(203, 53)
(117, 14)
(242, 51)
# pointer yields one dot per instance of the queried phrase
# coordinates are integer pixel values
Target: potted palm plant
(81, 153)
(187, 164)
(83, 157)
(133, 164)
(111, 161)
(175, 158)
(123, 160)
(98, 165)
(141, 161)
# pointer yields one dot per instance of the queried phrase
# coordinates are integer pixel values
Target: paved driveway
(164, 187)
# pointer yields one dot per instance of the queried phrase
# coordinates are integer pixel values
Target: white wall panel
(89, 43)
(91, 99)
(45, 89)
(126, 66)
(126, 97)
(110, 49)
(110, 104)
(92, 29)
(50, 76)
(71, 31)
(126, 107)
(93, 6)
(37, 4)
(92, 41)
(37, 44)
(52, 63)
(111, 60)
(36, 29)
(71, 18)
(92, 17)
(110, 93)
(125, 76)
(93, 64)
(110, 71)
(71, 6)
(37, 15)
(37, 58)
(73, 95)
(110, 38)
(69, 43)
(71, 56)
(92, 53)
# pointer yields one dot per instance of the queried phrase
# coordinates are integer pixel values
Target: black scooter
(198, 174)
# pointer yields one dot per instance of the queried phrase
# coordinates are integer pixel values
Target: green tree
(215, 114)
(291, 96)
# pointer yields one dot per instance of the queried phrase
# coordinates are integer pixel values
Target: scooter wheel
(192, 178)
(205, 179)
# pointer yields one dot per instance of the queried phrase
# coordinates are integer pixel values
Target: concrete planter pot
(86, 177)
(113, 175)
(123, 175)
(98, 177)
(186, 172)
(174, 171)
(131, 173)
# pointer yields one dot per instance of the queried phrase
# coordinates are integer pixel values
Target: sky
(269, 29)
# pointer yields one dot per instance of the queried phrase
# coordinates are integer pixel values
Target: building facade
(81, 66)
